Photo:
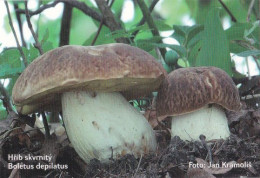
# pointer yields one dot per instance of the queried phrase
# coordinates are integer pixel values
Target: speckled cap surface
(105, 68)
(188, 89)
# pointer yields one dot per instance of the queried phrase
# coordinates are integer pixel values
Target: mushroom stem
(97, 123)
(209, 121)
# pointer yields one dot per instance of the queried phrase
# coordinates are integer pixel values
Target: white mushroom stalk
(210, 121)
(105, 125)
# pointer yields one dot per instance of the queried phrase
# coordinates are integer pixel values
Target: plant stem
(14, 33)
(150, 22)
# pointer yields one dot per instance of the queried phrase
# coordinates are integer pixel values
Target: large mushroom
(90, 83)
(196, 98)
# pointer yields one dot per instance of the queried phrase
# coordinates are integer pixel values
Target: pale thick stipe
(99, 123)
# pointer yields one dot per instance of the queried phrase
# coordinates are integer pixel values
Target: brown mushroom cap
(106, 68)
(188, 89)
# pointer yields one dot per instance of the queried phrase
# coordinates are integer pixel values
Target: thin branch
(74, 3)
(228, 11)
(248, 69)
(18, 17)
(40, 10)
(256, 62)
(65, 25)
(6, 99)
(150, 22)
(110, 20)
(100, 25)
(143, 19)
(138, 166)
(250, 9)
(14, 33)
(46, 126)
(37, 43)
(85, 9)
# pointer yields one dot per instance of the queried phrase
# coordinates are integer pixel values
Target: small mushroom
(196, 98)
(89, 84)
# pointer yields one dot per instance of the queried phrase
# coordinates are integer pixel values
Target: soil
(239, 155)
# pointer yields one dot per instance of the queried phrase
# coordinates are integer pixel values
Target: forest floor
(239, 155)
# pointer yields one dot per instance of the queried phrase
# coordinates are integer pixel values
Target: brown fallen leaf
(15, 174)
(216, 170)
(198, 173)
(236, 116)
(150, 115)
(22, 136)
(252, 170)
(256, 114)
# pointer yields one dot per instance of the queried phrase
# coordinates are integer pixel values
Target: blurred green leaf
(3, 113)
(47, 46)
(203, 8)
(119, 34)
(10, 86)
(46, 1)
(53, 28)
(215, 48)
(31, 53)
(117, 7)
(193, 54)
(179, 33)
(235, 47)
(249, 53)
(6, 71)
(103, 37)
(148, 44)
(238, 32)
(240, 10)
(195, 33)
(173, 11)
(192, 42)
(162, 26)
(45, 36)
(10, 63)
(179, 49)
(187, 35)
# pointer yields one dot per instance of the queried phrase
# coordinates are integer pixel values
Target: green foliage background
(205, 43)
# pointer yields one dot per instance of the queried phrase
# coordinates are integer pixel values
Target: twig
(228, 11)
(74, 3)
(203, 141)
(37, 44)
(110, 20)
(85, 9)
(250, 8)
(15, 172)
(100, 26)
(150, 22)
(38, 11)
(14, 33)
(248, 69)
(139, 163)
(247, 97)
(256, 62)
(46, 126)
(18, 17)
(6, 99)
(143, 19)
(65, 25)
